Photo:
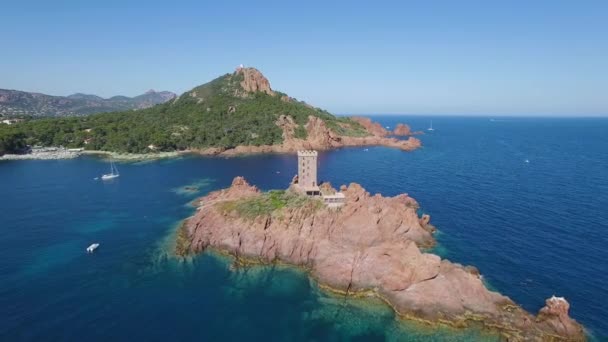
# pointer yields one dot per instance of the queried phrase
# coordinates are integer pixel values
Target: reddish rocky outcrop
(373, 128)
(372, 245)
(287, 125)
(319, 137)
(254, 81)
(554, 315)
(402, 130)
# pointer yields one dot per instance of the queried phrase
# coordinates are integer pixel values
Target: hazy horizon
(473, 58)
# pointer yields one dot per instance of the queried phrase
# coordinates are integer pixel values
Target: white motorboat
(92, 248)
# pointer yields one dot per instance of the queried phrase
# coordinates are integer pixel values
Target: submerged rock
(370, 245)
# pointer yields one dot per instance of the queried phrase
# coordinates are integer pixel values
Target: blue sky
(412, 57)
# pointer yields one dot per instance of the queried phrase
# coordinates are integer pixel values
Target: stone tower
(307, 172)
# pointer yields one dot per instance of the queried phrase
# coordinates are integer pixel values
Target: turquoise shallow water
(533, 229)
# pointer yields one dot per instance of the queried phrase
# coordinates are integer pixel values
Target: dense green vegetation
(217, 114)
(269, 202)
(300, 132)
(11, 140)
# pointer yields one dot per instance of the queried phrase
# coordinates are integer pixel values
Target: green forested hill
(221, 113)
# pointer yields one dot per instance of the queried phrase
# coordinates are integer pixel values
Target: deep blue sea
(533, 229)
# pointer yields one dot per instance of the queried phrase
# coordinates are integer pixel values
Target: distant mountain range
(18, 103)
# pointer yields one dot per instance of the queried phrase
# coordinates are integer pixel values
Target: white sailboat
(430, 128)
(113, 172)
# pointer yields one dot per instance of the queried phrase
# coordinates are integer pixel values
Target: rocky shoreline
(50, 153)
(135, 156)
(321, 137)
(372, 246)
(318, 137)
(58, 153)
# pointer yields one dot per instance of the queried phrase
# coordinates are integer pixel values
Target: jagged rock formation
(14, 102)
(402, 130)
(555, 316)
(373, 128)
(372, 246)
(376, 129)
(254, 81)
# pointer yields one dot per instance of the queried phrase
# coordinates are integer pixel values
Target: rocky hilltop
(253, 81)
(235, 113)
(21, 103)
(373, 246)
(316, 129)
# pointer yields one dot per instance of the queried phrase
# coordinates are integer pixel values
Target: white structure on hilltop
(11, 121)
(307, 172)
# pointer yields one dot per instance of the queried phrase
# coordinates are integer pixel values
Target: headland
(356, 243)
(236, 113)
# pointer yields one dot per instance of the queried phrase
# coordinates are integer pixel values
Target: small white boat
(526, 161)
(92, 248)
(113, 172)
(366, 149)
(430, 128)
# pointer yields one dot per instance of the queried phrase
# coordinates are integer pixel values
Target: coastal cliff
(371, 246)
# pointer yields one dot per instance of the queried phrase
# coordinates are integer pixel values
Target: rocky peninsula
(320, 137)
(370, 246)
(45, 153)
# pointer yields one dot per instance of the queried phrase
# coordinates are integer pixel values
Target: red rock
(371, 244)
(402, 130)
(425, 219)
(374, 128)
(555, 315)
(254, 81)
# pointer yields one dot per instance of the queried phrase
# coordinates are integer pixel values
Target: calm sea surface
(524, 200)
